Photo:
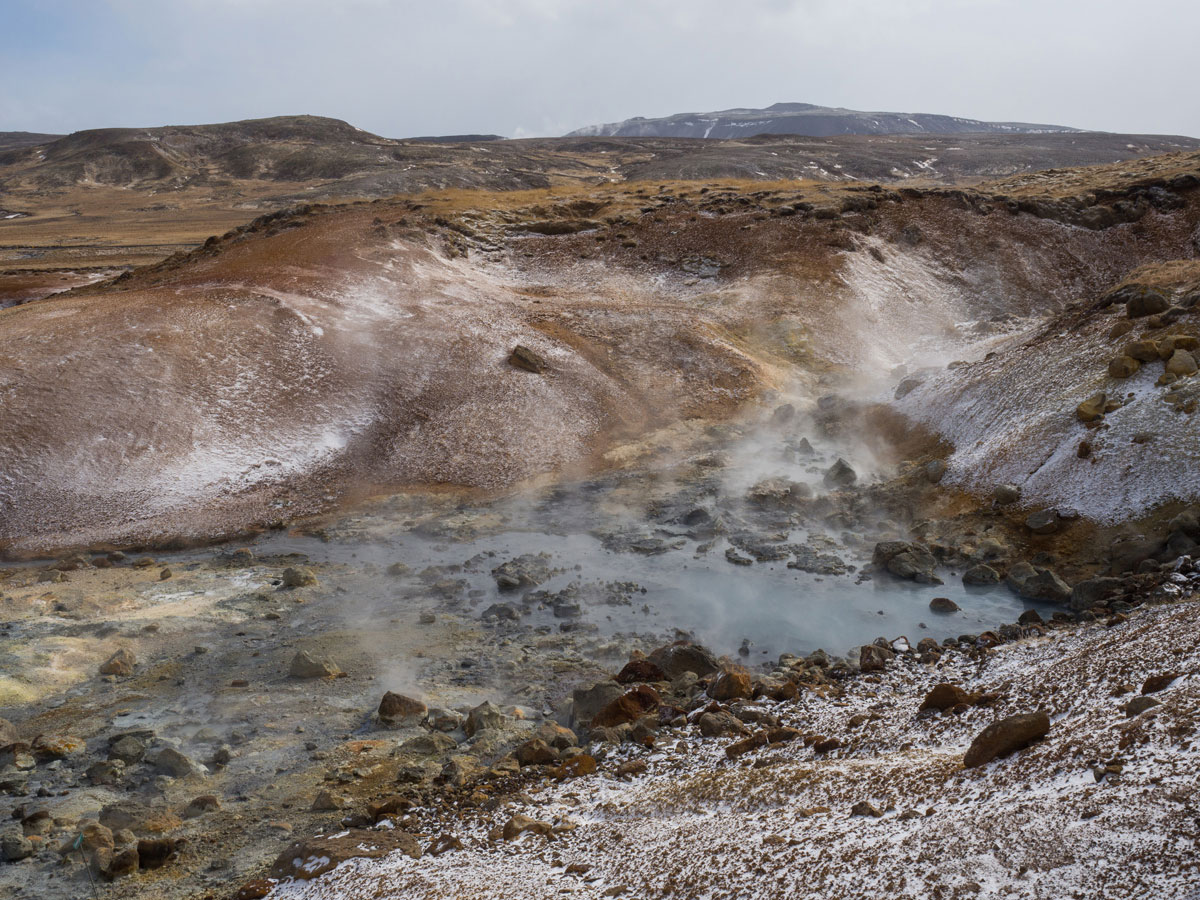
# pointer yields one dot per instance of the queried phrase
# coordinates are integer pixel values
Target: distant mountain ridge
(806, 119)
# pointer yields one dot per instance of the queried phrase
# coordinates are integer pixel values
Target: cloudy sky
(542, 67)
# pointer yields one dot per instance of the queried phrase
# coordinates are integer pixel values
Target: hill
(807, 119)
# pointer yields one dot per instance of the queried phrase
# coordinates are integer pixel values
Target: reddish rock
(873, 659)
(629, 707)
(575, 766)
(944, 697)
(638, 671)
(1005, 737)
(120, 663)
(732, 684)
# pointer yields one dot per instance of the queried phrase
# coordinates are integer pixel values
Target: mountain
(806, 119)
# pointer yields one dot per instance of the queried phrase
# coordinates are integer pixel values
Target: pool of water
(765, 606)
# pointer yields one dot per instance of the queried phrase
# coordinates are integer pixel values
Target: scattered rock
(906, 559)
(535, 752)
(397, 710)
(873, 659)
(944, 697)
(732, 684)
(298, 576)
(1181, 364)
(675, 659)
(1006, 736)
(304, 665)
(629, 707)
(1144, 301)
(524, 358)
(120, 663)
(840, 474)
(980, 574)
(1006, 494)
(1044, 521)
(14, 847)
(485, 715)
(640, 670)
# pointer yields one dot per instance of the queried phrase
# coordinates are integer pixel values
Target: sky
(523, 68)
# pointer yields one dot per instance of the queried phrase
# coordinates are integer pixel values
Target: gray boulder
(906, 559)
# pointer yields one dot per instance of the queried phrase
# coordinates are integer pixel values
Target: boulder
(732, 684)
(1093, 591)
(1092, 408)
(980, 575)
(1046, 587)
(305, 665)
(720, 723)
(640, 670)
(935, 470)
(864, 808)
(1006, 736)
(1156, 683)
(14, 847)
(1128, 551)
(1142, 351)
(629, 707)
(524, 358)
(313, 857)
(1181, 364)
(535, 752)
(120, 663)
(1119, 367)
(1006, 494)
(840, 475)
(943, 697)
(1034, 583)
(8, 733)
(485, 715)
(169, 761)
(906, 559)
(943, 605)
(675, 659)
(1142, 301)
(1044, 521)
(872, 658)
(298, 576)
(400, 710)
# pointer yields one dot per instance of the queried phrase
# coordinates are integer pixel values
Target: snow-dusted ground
(777, 822)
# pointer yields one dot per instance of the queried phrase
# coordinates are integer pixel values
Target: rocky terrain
(626, 535)
(806, 119)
